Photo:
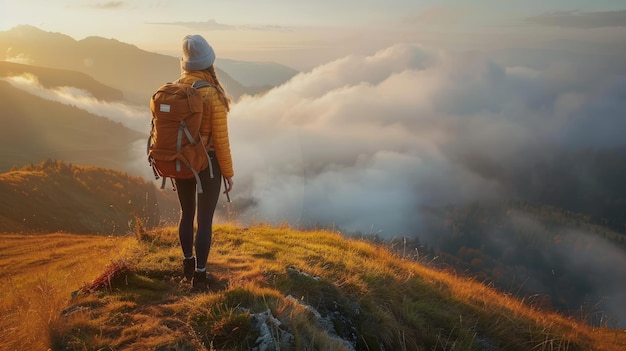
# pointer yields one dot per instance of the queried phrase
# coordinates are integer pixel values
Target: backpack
(175, 149)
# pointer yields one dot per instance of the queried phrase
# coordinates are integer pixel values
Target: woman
(197, 64)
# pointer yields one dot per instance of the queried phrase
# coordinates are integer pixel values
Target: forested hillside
(553, 258)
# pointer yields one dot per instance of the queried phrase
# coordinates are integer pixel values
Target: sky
(304, 34)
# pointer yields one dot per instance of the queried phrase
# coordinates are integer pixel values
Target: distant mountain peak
(26, 27)
(29, 31)
(106, 43)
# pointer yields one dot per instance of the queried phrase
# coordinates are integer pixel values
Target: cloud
(602, 260)
(214, 25)
(578, 19)
(109, 5)
(17, 58)
(133, 117)
(572, 254)
(364, 142)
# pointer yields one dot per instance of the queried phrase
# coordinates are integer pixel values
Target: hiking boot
(199, 281)
(189, 266)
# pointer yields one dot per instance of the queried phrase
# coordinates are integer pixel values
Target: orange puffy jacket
(214, 122)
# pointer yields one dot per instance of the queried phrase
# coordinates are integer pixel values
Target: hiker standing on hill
(197, 64)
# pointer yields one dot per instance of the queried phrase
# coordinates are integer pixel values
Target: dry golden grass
(38, 274)
(370, 297)
(54, 196)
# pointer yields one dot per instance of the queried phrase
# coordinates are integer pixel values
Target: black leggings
(207, 201)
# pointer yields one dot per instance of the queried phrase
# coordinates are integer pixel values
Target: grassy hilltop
(269, 287)
(88, 263)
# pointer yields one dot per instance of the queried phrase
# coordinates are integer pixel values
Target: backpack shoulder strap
(201, 84)
(197, 85)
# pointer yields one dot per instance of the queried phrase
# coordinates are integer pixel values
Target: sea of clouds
(363, 142)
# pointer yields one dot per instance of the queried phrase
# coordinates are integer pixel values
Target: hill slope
(35, 129)
(291, 290)
(38, 274)
(54, 196)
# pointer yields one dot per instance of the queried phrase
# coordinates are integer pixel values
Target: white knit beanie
(197, 53)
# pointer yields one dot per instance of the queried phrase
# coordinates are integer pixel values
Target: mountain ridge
(109, 61)
(257, 74)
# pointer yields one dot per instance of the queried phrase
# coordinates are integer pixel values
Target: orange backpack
(175, 148)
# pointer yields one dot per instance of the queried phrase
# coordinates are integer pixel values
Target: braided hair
(221, 92)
